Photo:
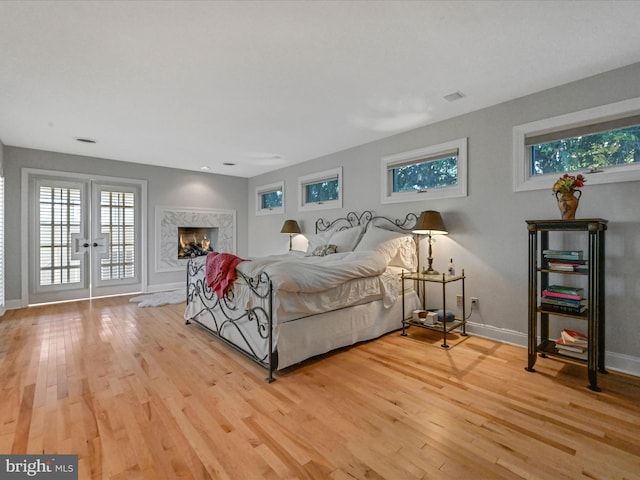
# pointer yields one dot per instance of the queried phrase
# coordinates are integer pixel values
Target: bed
(283, 309)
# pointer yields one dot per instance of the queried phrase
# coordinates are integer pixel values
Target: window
(438, 171)
(118, 220)
(60, 218)
(270, 199)
(602, 143)
(321, 190)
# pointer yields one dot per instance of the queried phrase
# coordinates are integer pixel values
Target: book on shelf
(568, 265)
(561, 344)
(574, 337)
(564, 309)
(563, 289)
(547, 293)
(564, 254)
(573, 344)
(569, 353)
(567, 302)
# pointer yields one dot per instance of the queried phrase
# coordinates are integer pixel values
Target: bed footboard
(242, 318)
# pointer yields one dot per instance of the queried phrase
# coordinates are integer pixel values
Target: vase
(568, 203)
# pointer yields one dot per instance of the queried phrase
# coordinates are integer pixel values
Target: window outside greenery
(425, 175)
(322, 191)
(594, 151)
(271, 200)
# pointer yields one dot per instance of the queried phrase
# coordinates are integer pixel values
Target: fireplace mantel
(168, 219)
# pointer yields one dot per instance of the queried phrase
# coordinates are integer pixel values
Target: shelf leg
(444, 314)
(532, 313)
(593, 381)
(404, 334)
(464, 312)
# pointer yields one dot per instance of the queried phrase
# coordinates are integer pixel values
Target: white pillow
(398, 248)
(346, 240)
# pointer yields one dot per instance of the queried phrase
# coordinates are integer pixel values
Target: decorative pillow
(398, 248)
(323, 250)
(346, 240)
(318, 240)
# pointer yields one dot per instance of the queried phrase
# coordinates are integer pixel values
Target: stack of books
(566, 260)
(572, 344)
(558, 298)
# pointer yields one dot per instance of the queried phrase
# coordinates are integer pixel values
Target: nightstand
(444, 326)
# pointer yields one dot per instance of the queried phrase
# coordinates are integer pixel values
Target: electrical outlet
(459, 300)
(474, 301)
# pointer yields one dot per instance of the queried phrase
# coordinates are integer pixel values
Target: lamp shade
(290, 227)
(430, 223)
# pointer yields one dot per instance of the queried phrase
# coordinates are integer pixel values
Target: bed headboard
(366, 218)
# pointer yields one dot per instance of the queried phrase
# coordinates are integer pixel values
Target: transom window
(270, 199)
(603, 143)
(579, 149)
(321, 190)
(439, 171)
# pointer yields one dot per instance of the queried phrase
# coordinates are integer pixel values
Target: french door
(85, 238)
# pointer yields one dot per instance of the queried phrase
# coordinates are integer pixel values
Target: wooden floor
(137, 394)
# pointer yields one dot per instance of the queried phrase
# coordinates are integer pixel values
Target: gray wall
(488, 236)
(165, 187)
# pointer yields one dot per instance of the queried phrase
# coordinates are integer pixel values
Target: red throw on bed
(221, 271)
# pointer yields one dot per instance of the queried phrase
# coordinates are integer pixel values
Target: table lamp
(429, 223)
(290, 227)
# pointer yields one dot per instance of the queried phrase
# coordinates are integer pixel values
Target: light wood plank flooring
(137, 394)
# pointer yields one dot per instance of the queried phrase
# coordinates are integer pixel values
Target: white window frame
(317, 178)
(523, 180)
(273, 187)
(418, 156)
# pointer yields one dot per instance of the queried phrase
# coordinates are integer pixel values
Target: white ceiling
(266, 84)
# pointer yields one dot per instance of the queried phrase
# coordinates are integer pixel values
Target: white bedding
(295, 272)
(306, 286)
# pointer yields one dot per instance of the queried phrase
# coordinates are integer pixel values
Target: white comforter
(293, 272)
(305, 286)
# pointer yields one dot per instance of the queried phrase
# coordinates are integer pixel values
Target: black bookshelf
(539, 277)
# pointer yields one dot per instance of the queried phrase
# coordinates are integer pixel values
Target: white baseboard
(613, 361)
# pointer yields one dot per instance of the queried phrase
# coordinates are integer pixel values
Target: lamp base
(430, 271)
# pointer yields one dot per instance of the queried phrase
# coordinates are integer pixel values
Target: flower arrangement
(567, 183)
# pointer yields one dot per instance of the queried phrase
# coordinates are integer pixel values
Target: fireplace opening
(196, 241)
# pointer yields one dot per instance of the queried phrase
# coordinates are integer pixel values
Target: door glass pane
(117, 215)
(59, 217)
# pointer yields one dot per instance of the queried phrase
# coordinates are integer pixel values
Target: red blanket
(221, 271)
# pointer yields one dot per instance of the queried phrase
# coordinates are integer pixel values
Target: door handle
(85, 245)
(95, 244)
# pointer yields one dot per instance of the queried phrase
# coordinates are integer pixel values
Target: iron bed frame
(226, 314)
